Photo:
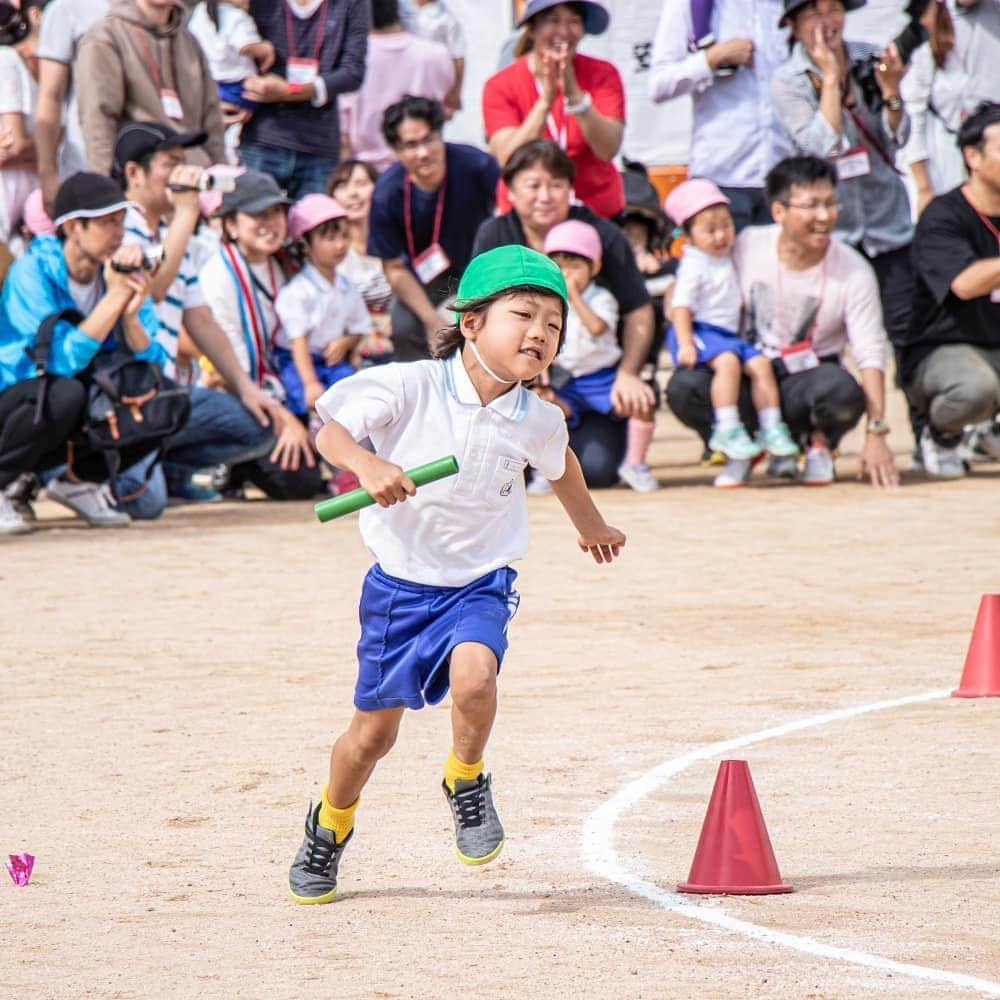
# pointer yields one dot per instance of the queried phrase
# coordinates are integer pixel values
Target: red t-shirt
(508, 98)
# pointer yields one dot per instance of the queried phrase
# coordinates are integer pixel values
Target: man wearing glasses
(807, 298)
(425, 213)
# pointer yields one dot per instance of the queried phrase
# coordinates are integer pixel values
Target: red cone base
(734, 854)
(981, 676)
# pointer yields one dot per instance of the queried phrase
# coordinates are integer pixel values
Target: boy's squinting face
(712, 230)
(518, 336)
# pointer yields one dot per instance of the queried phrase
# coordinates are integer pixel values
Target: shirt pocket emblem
(505, 479)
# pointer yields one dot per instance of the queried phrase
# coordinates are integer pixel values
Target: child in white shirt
(322, 314)
(706, 314)
(433, 20)
(233, 47)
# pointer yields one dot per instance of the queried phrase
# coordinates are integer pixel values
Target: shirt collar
(512, 404)
(313, 275)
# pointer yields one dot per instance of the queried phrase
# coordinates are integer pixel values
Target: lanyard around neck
(408, 216)
(290, 30)
(779, 305)
(151, 62)
(984, 218)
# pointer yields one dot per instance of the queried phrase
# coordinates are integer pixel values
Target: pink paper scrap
(20, 866)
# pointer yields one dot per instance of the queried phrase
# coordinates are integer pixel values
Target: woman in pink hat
(706, 315)
(553, 92)
(322, 314)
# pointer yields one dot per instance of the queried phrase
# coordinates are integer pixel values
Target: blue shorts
(589, 394)
(408, 631)
(711, 341)
(295, 394)
(232, 93)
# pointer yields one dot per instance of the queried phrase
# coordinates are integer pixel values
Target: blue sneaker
(734, 442)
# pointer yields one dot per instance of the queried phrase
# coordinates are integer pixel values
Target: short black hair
(144, 163)
(385, 13)
(797, 170)
(426, 108)
(971, 132)
(539, 152)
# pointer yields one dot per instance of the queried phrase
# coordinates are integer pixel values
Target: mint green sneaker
(777, 440)
(734, 442)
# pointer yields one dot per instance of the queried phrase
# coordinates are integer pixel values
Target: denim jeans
(298, 173)
(219, 431)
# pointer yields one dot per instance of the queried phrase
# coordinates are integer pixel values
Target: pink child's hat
(312, 211)
(694, 196)
(574, 236)
(35, 216)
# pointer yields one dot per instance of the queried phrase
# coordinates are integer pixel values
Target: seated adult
(539, 177)
(69, 271)
(240, 283)
(551, 91)
(807, 297)
(425, 213)
(222, 429)
(950, 363)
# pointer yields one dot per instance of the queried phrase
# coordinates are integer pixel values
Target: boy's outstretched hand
(604, 544)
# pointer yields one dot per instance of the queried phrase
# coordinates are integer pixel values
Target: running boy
(706, 312)
(435, 606)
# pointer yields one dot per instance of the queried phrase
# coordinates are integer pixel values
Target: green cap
(508, 267)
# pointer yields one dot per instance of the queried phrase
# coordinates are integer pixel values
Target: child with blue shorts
(706, 312)
(435, 606)
(322, 314)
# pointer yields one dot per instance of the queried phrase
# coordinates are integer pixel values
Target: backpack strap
(39, 351)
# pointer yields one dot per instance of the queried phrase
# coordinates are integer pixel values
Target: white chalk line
(598, 852)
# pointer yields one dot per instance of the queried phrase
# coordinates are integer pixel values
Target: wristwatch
(878, 427)
(583, 105)
(894, 104)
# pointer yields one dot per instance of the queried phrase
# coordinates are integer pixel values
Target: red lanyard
(559, 135)
(408, 217)
(151, 62)
(779, 305)
(984, 217)
(289, 31)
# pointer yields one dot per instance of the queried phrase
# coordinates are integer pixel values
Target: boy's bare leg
(763, 384)
(726, 374)
(473, 699)
(368, 738)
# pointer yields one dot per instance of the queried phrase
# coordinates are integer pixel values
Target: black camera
(152, 257)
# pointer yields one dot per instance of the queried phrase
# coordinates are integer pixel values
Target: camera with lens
(152, 257)
(222, 183)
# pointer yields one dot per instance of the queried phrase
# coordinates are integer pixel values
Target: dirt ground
(170, 693)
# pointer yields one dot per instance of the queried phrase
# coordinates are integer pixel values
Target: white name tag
(853, 163)
(431, 263)
(171, 105)
(799, 358)
(995, 295)
(301, 71)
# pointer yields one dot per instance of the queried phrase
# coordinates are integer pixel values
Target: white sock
(769, 417)
(726, 417)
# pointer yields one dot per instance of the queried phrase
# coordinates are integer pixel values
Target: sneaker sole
(327, 897)
(62, 501)
(483, 860)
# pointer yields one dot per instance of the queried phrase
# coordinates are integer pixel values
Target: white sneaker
(638, 477)
(940, 462)
(818, 468)
(11, 522)
(539, 485)
(734, 473)
(984, 442)
(91, 501)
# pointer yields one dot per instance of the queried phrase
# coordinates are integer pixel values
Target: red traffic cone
(734, 853)
(981, 676)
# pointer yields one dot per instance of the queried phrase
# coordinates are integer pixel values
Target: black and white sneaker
(478, 834)
(313, 875)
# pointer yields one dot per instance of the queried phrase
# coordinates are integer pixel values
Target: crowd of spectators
(257, 198)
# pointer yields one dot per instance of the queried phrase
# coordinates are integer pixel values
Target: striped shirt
(183, 293)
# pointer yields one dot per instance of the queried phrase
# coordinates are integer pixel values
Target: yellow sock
(458, 770)
(341, 821)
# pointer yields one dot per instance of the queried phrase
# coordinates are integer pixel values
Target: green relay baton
(327, 510)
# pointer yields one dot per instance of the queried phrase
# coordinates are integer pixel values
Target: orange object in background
(665, 179)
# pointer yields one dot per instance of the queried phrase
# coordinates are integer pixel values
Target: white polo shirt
(310, 306)
(457, 529)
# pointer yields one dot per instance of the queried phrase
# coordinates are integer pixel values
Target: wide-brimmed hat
(576, 237)
(312, 211)
(87, 196)
(254, 192)
(693, 196)
(595, 17)
(791, 6)
(510, 266)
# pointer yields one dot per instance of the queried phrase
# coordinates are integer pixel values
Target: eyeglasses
(431, 139)
(812, 207)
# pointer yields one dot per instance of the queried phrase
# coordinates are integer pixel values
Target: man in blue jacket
(72, 270)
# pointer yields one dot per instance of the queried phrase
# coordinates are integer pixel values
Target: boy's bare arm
(593, 323)
(596, 536)
(386, 482)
